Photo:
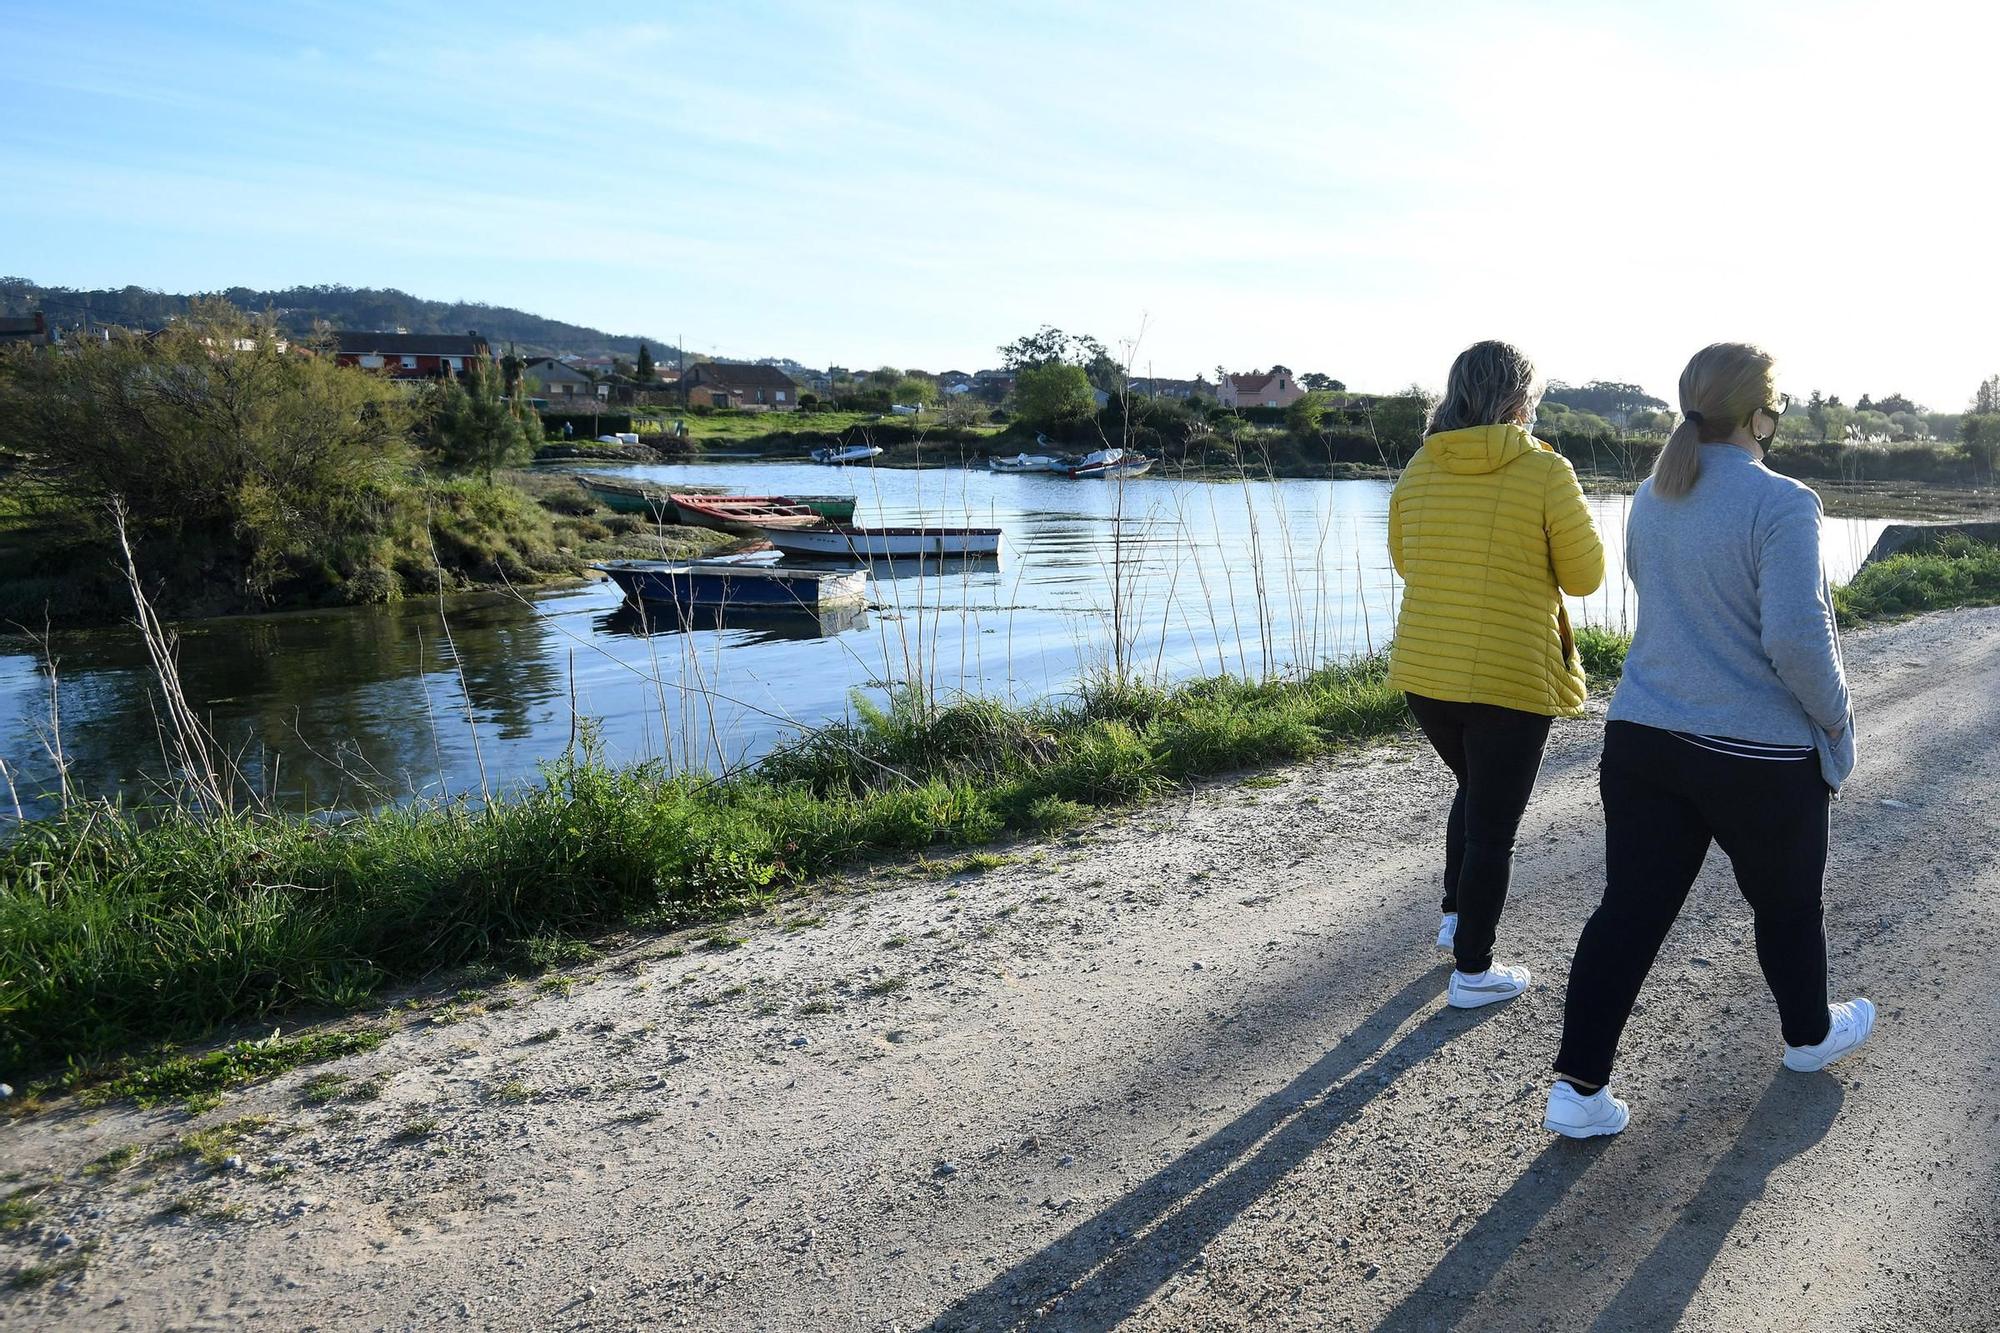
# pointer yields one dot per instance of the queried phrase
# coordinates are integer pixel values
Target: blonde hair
(1722, 388)
(1491, 382)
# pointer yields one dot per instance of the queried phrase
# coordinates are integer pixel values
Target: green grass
(1960, 572)
(102, 913)
(201, 1079)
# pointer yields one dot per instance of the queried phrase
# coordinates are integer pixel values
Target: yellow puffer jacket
(1488, 528)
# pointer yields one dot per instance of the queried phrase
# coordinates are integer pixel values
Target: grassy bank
(117, 930)
(1960, 572)
(459, 534)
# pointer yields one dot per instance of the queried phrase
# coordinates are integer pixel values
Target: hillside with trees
(298, 309)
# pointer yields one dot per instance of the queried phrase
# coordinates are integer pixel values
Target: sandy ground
(1191, 1072)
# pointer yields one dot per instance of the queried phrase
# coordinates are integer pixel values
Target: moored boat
(842, 541)
(838, 455)
(727, 583)
(745, 514)
(1025, 463)
(1108, 463)
(626, 497)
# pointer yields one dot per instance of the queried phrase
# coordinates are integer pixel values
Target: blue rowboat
(726, 583)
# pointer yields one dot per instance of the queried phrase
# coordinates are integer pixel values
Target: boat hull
(655, 505)
(1123, 468)
(1024, 463)
(719, 584)
(848, 543)
(842, 455)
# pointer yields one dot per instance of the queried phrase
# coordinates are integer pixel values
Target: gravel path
(1192, 1072)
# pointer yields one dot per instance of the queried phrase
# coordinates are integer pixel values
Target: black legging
(1495, 754)
(1665, 800)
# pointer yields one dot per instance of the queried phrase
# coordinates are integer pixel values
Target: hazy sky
(1358, 189)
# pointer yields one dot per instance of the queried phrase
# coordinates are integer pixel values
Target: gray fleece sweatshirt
(1736, 634)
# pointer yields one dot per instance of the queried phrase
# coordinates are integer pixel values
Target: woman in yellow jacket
(1489, 529)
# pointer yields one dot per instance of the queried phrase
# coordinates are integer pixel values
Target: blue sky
(1358, 189)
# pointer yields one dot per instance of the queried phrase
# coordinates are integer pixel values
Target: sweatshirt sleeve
(1575, 550)
(1797, 617)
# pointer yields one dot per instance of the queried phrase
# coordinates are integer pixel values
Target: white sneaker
(1502, 981)
(1448, 931)
(1576, 1116)
(1852, 1019)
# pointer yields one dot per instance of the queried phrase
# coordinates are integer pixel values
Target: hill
(299, 308)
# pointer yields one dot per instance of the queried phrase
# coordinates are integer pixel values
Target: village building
(30, 329)
(561, 381)
(411, 356)
(1275, 388)
(1178, 390)
(739, 384)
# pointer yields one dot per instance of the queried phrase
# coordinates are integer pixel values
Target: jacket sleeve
(1575, 550)
(1396, 531)
(1797, 616)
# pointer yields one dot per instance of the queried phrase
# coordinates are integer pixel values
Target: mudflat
(1190, 1071)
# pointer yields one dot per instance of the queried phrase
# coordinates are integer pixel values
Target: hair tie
(1695, 417)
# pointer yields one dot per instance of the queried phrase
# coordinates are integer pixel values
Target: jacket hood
(1478, 449)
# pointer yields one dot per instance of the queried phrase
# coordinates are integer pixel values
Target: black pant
(1495, 754)
(1665, 800)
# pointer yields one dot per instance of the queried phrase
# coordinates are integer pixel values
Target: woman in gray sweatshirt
(1730, 725)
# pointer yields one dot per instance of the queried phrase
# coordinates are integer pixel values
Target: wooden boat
(747, 514)
(683, 584)
(843, 541)
(839, 455)
(838, 508)
(626, 497)
(1025, 463)
(752, 513)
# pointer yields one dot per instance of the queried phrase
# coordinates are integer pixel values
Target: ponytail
(1722, 388)
(1678, 465)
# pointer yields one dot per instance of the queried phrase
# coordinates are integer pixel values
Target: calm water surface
(349, 708)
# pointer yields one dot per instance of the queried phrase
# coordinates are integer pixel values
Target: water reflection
(757, 624)
(1175, 578)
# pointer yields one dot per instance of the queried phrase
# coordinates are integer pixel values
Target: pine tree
(644, 372)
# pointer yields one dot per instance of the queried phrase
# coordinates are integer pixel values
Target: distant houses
(1273, 388)
(739, 384)
(562, 382)
(30, 329)
(411, 356)
(1178, 390)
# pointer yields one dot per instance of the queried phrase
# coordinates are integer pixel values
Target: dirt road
(1193, 1072)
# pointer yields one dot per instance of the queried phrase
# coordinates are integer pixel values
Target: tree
(1105, 373)
(961, 409)
(643, 369)
(884, 377)
(1304, 417)
(1313, 380)
(1980, 433)
(1895, 403)
(473, 428)
(1606, 398)
(1049, 345)
(914, 390)
(1053, 394)
(241, 459)
(1986, 401)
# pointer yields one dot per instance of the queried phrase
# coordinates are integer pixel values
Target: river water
(343, 709)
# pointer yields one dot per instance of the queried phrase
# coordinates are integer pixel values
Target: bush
(1959, 572)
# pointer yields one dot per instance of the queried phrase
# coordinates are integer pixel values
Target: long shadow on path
(1104, 1268)
(1794, 1113)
